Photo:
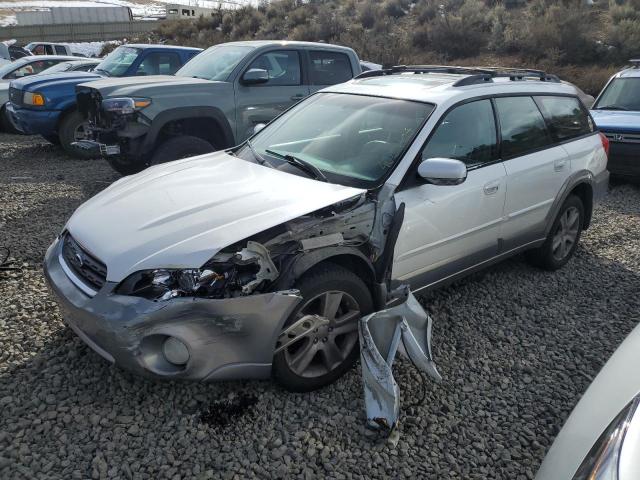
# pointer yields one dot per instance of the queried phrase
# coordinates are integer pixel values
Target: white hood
(178, 215)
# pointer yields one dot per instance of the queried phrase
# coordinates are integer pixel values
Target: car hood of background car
(613, 388)
(127, 85)
(36, 82)
(618, 121)
(179, 214)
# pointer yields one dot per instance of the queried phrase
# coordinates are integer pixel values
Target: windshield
(118, 62)
(353, 140)
(215, 63)
(621, 94)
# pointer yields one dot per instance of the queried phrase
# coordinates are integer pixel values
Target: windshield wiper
(303, 165)
(103, 71)
(612, 107)
(255, 154)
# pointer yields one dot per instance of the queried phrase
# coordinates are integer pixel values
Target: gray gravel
(516, 347)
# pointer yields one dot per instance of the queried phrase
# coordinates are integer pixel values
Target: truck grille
(623, 137)
(85, 266)
(16, 96)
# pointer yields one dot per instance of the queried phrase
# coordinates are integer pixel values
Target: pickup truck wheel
(326, 353)
(73, 128)
(181, 147)
(563, 238)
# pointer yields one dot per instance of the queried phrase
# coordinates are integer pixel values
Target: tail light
(605, 143)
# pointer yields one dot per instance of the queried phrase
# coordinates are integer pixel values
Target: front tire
(183, 146)
(73, 127)
(563, 238)
(324, 355)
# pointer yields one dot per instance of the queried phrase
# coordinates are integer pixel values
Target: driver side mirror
(443, 171)
(254, 76)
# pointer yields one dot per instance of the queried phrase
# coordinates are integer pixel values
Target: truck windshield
(353, 140)
(620, 94)
(118, 62)
(215, 63)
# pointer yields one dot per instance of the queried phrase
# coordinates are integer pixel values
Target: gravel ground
(516, 347)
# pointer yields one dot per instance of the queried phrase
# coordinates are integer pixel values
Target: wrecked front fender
(224, 338)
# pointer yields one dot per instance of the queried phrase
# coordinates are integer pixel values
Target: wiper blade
(612, 107)
(303, 165)
(255, 154)
(103, 71)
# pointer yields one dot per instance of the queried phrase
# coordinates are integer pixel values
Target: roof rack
(635, 62)
(476, 75)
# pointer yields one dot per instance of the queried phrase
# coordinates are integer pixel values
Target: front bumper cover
(227, 339)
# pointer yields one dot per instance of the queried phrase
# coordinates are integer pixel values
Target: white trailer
(73, 15)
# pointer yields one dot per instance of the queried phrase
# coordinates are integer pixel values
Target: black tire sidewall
(66, 132)
(547, 259)
(177, 148)
(322, 278)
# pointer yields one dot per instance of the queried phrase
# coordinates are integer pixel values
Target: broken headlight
(615, 454)
(225, 275)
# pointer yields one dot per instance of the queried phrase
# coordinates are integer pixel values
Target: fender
(575, 179)
(188, 112)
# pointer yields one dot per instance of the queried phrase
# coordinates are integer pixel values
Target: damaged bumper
(216, 339)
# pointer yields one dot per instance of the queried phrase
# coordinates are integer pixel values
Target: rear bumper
(33, 122)
(226, 339)
(600, 186)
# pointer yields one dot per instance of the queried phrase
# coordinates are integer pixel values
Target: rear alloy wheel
(74, 127)
(326, 352)
(563, 238)
(184, 146)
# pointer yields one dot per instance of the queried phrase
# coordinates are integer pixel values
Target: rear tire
(183, 146)
(353, 300)
(563, 238)
(73, 128)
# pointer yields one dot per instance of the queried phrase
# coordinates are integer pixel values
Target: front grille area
(16, 96)
(623, 137)
(87, 267)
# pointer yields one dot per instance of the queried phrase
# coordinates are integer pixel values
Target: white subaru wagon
(258, 261)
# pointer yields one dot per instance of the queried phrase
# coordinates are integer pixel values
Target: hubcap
(80, 132)
(326, 347)
(566, 234)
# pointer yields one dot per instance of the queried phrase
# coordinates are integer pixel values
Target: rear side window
(61, 50)
(329, 68)
(565, 116)
(522, 127)
(467, 133)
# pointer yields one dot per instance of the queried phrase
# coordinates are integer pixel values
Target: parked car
(56, 118)
(601, 437)
(617, 115)
(49, 48)
(23, 67)
(73, 66)
(213, 102)
(261, 258)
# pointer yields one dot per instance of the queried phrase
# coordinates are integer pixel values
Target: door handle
(559, 164)
(297, 97)
(491, 188)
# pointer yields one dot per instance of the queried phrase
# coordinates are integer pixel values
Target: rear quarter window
(565, 116)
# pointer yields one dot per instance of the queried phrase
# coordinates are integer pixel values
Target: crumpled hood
(34, 83)
(616, 121)
(180, 214)
(110, 87)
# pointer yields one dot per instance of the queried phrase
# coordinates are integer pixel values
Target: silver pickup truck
(213, 102)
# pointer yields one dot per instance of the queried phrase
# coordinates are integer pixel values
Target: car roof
(34, 58)
(631, 72)
(437, 87)
(161, 47)
(285, 43)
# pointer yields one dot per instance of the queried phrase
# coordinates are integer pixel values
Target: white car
(601, 438)
(195, 268)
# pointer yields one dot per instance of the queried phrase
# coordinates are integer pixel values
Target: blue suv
(616, 112)
(46, 105)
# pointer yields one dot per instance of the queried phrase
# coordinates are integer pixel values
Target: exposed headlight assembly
(125, 105)
(163, 284)
(34, 98)
(616, 454)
